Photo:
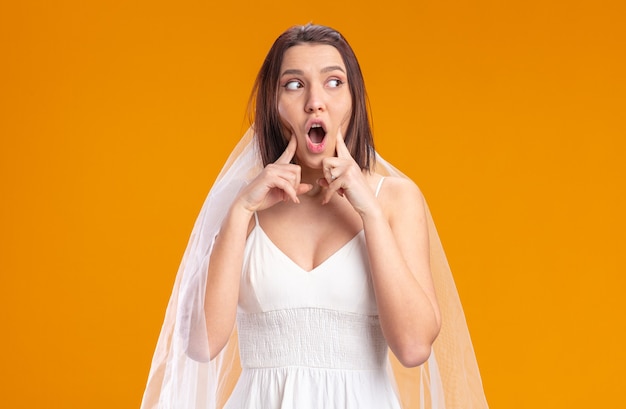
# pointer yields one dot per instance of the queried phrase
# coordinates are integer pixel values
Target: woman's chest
(271, 280)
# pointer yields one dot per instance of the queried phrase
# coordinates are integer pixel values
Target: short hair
(267, 124)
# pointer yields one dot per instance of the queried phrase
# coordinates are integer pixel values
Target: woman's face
(314, 100)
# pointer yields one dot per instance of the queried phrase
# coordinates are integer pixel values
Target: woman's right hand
(278, 182)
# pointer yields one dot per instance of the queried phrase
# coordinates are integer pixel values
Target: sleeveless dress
(309, 339)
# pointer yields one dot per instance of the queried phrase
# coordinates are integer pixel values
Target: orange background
(117, 115)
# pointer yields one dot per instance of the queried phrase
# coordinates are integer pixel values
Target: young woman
(314, 261)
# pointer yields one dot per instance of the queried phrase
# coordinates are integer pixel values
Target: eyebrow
(323, 71)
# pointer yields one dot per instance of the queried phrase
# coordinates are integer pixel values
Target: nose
(315, 100)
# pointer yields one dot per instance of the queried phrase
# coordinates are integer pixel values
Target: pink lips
(316, 136)
(315, 147)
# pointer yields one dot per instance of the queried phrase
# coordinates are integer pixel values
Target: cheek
(347, 106)
(285, 125)
(284, 115)
(346, 117)
(345, 120)
(285, 108)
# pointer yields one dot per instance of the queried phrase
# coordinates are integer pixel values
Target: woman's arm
(279, 181)
(223, 276)
(398, 249)
(396, 234)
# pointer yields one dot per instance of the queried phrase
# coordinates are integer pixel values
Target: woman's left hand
(342, 175)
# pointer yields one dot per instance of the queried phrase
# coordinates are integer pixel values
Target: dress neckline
(298, 266)
(257, 225)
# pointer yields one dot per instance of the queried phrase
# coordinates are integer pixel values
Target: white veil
(182, 377)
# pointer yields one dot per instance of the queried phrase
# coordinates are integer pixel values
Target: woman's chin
(311, 162)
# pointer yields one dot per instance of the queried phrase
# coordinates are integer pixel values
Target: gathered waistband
(311, 337)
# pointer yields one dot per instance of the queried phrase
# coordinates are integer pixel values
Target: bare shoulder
(401, 199)
(399, 191)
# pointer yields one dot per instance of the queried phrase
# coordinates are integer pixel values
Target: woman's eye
(334, 83)
(293, 85)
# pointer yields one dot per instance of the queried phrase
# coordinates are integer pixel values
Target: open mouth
(317, 133)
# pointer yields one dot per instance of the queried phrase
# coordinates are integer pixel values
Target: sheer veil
(183, 377)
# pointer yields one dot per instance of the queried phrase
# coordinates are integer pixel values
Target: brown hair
(267, 125)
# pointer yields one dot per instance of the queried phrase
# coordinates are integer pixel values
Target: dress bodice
(309, 339)
(272, 281)
(324, 318)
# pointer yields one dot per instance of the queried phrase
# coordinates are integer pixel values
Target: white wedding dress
(309, 339)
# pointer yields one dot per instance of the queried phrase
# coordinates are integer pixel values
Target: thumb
(322, 182)
(303, 188)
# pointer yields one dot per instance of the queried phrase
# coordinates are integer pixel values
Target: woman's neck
(311, 176)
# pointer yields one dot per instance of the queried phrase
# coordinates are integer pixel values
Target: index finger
(290, 150)
(341, 148)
